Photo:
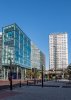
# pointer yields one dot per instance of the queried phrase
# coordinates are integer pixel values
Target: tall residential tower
(58, 50)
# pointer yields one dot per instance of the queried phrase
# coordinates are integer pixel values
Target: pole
(34, 77)
(10, 75)
(42, 75)
(55, 61)
(20, 77)
(49, 74)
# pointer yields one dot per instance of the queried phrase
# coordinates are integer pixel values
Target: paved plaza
(37, 93)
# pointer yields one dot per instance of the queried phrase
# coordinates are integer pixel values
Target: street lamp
(55, 60)
(20, 78)
(34, 71)
(34, 77)
(49, 73)
(42, 75)
(10, 76)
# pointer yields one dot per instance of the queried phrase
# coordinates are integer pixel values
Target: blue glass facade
(17, 46)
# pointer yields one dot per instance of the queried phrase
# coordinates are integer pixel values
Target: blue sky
(38, 18)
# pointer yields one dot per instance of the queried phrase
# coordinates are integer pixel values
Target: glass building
(42, 60)
(37, 57)
(1, 70)
(17, 47)
(0, 50)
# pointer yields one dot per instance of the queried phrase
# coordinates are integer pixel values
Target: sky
(38, 18)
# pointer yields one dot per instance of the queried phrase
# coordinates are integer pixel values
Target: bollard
(20, 84)
(10, 80)
(27, 82)
(35, 82)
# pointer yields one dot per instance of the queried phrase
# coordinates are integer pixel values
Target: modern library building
(16, 52)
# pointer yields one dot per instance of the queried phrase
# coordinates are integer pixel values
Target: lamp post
(34, 71)
(20, 78)
(62, 69)
(49, 73)
(42, 75)
(10, 76)
(55, 60)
